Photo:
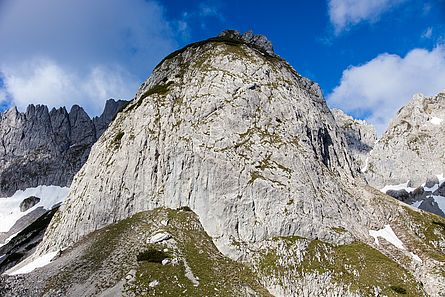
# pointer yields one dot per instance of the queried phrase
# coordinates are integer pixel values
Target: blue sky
(369, 56)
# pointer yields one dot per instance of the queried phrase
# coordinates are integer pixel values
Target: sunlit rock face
(231, 131)
(412, 148)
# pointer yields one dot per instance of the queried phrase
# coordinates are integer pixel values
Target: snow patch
(440, 202)
(398, 188)
(436, 121)
(365, 168)
(417, 204)
(37, 263)
(10, 212)
(159, 237)
(388, 234)
(415, 257)
(7, 240)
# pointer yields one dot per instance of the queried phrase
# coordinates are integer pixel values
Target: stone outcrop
(238, 136)
(47, 147)
(255, 40)
(360, 136)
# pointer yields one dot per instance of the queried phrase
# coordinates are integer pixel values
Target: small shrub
(439, 224)
(399, 290)
(117, 138)
(152, 255)
(185, 208)
(158, 89)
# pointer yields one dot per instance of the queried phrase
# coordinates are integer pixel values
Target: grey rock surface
(42, 147)
(360, 136)
(412, 148)
(249, 145)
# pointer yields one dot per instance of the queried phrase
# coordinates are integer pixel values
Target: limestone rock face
(42, 147)
(412, 148)
(360, 136)
(235, 134)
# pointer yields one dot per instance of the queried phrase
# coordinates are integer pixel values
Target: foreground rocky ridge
(234, 133)
(166, 252)
(42, 147)
(131, 259)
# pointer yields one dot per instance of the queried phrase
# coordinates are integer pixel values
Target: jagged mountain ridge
(42, 147)
(41, 151)
(235, 134)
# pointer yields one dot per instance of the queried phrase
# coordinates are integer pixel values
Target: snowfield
(440, 200)
(37, 263)
(398, 188)
(10, 212)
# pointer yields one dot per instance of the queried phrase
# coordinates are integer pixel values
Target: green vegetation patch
(160, 89)
(430, 229)
(117, 139)
(194, 253)
(356, 265)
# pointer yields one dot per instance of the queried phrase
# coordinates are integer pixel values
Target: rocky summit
(228, 175)
(415, 134)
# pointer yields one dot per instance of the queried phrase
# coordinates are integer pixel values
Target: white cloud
(61, 52)
(428, 33)
(379, 88)
(346, 13)
(43, 81)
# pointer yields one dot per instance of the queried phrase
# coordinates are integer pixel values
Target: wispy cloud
(428, 33)
(199, 16)
(345, 13)
(65, 52)
(383, 85)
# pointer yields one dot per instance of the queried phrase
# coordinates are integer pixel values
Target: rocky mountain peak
(415, 134)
